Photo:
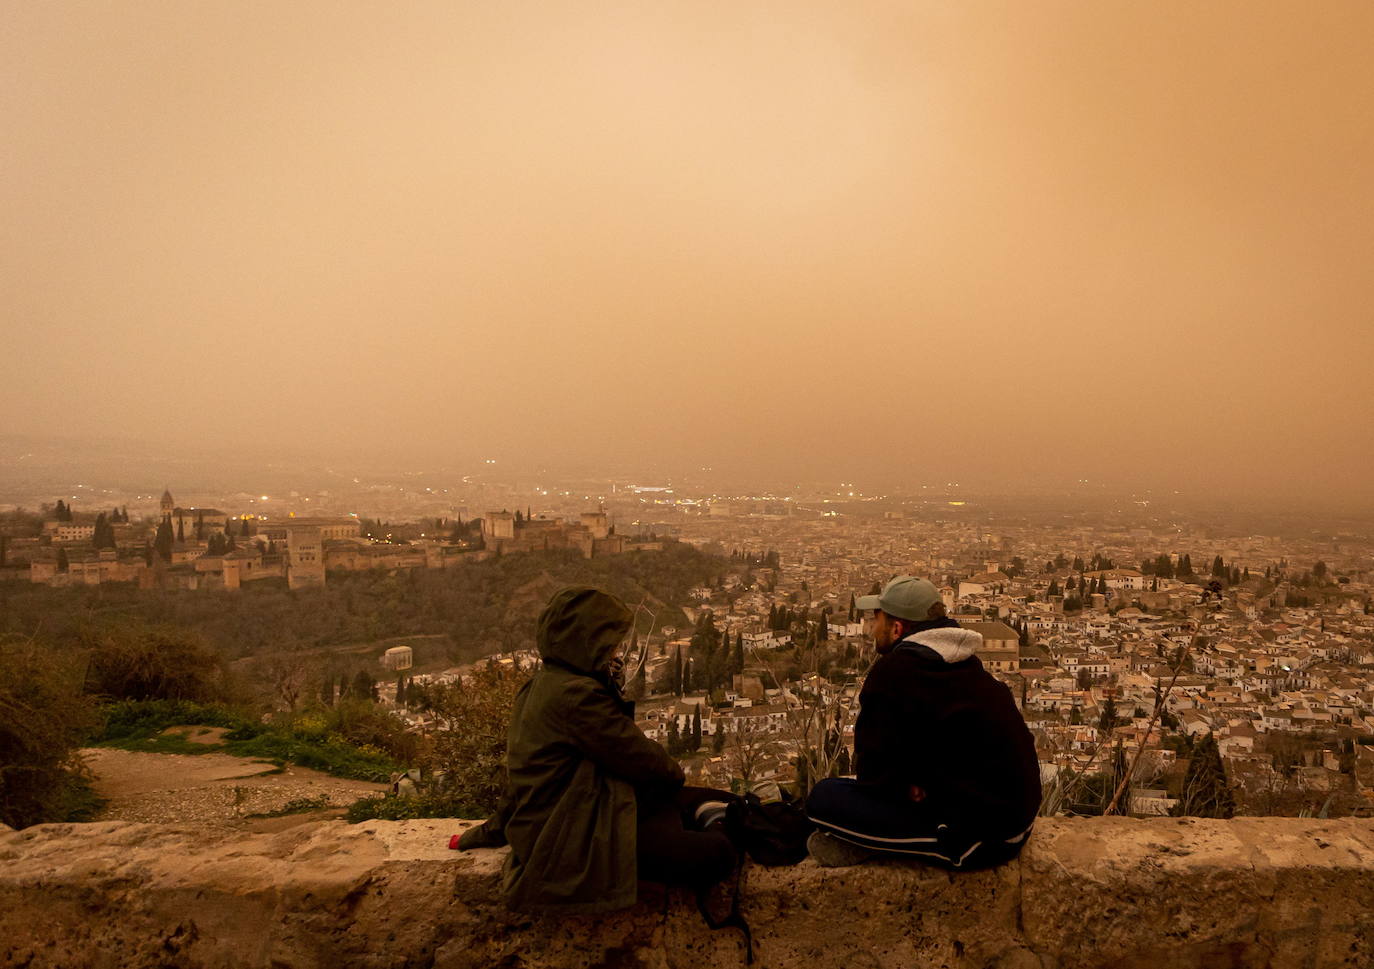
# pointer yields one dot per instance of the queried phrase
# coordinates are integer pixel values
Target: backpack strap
(733, 920)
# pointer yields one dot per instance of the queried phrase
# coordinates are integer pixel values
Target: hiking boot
(831, 852)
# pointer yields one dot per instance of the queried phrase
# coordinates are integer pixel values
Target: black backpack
(772, 834)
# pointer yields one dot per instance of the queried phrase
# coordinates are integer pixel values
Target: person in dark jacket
(591, 804)
(946, 769)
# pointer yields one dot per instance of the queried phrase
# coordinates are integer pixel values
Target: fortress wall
(1156, 894)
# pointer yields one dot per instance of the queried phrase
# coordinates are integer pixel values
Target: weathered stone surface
(1087, 892)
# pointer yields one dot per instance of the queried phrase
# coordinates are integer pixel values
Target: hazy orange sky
(1002, 240)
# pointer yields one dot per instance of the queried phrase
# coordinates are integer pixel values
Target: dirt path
(213, 788)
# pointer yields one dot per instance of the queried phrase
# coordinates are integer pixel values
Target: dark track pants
(671, 852)
(871, 818)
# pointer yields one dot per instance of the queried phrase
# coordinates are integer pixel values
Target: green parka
(575, 760)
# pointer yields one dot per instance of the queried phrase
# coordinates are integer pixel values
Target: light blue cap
(905, 597)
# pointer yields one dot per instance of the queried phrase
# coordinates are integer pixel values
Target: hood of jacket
(581, 628)
(952, 643)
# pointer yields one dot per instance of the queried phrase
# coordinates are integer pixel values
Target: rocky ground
(215, 788)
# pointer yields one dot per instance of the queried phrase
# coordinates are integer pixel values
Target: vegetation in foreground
(117, 666)
(353, 739)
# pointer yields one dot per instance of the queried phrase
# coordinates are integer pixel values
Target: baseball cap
(905, 597)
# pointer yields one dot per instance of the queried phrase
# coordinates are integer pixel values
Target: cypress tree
(181, 529)
(103, 536)
(1118, 772)
(1108, 719)
(1206, 791)
(696, 727)
(162, 541)
(62, 563)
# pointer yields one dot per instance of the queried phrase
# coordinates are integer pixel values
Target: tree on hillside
(1108, 719)
(103, 536)
(130, 660)
(737, 655)
(1119, 771)
(163, 541)
(1206, 790)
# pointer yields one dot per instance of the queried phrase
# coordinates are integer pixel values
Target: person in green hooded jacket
(592, 805)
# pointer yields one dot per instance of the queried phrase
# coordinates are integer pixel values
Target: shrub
(133, 661)
(44, 719)
(137, 720)
(135, 725)
(429, 805)
(470, 746)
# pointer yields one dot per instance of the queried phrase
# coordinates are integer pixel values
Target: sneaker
(831, 852)
(709, 813)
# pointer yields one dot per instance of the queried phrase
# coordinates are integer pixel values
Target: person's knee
(827, 798)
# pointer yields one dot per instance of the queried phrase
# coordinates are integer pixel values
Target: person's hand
(615, 669)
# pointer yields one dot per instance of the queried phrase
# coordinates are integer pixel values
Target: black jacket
(932, 717)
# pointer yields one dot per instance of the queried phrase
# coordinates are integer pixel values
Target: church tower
(168, 505)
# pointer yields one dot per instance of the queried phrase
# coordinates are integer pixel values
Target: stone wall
(1114, 892)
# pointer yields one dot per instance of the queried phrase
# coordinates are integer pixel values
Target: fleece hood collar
(581, 628)
(952, 643)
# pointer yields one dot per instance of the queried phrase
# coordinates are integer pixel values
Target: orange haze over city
(1002, 242)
